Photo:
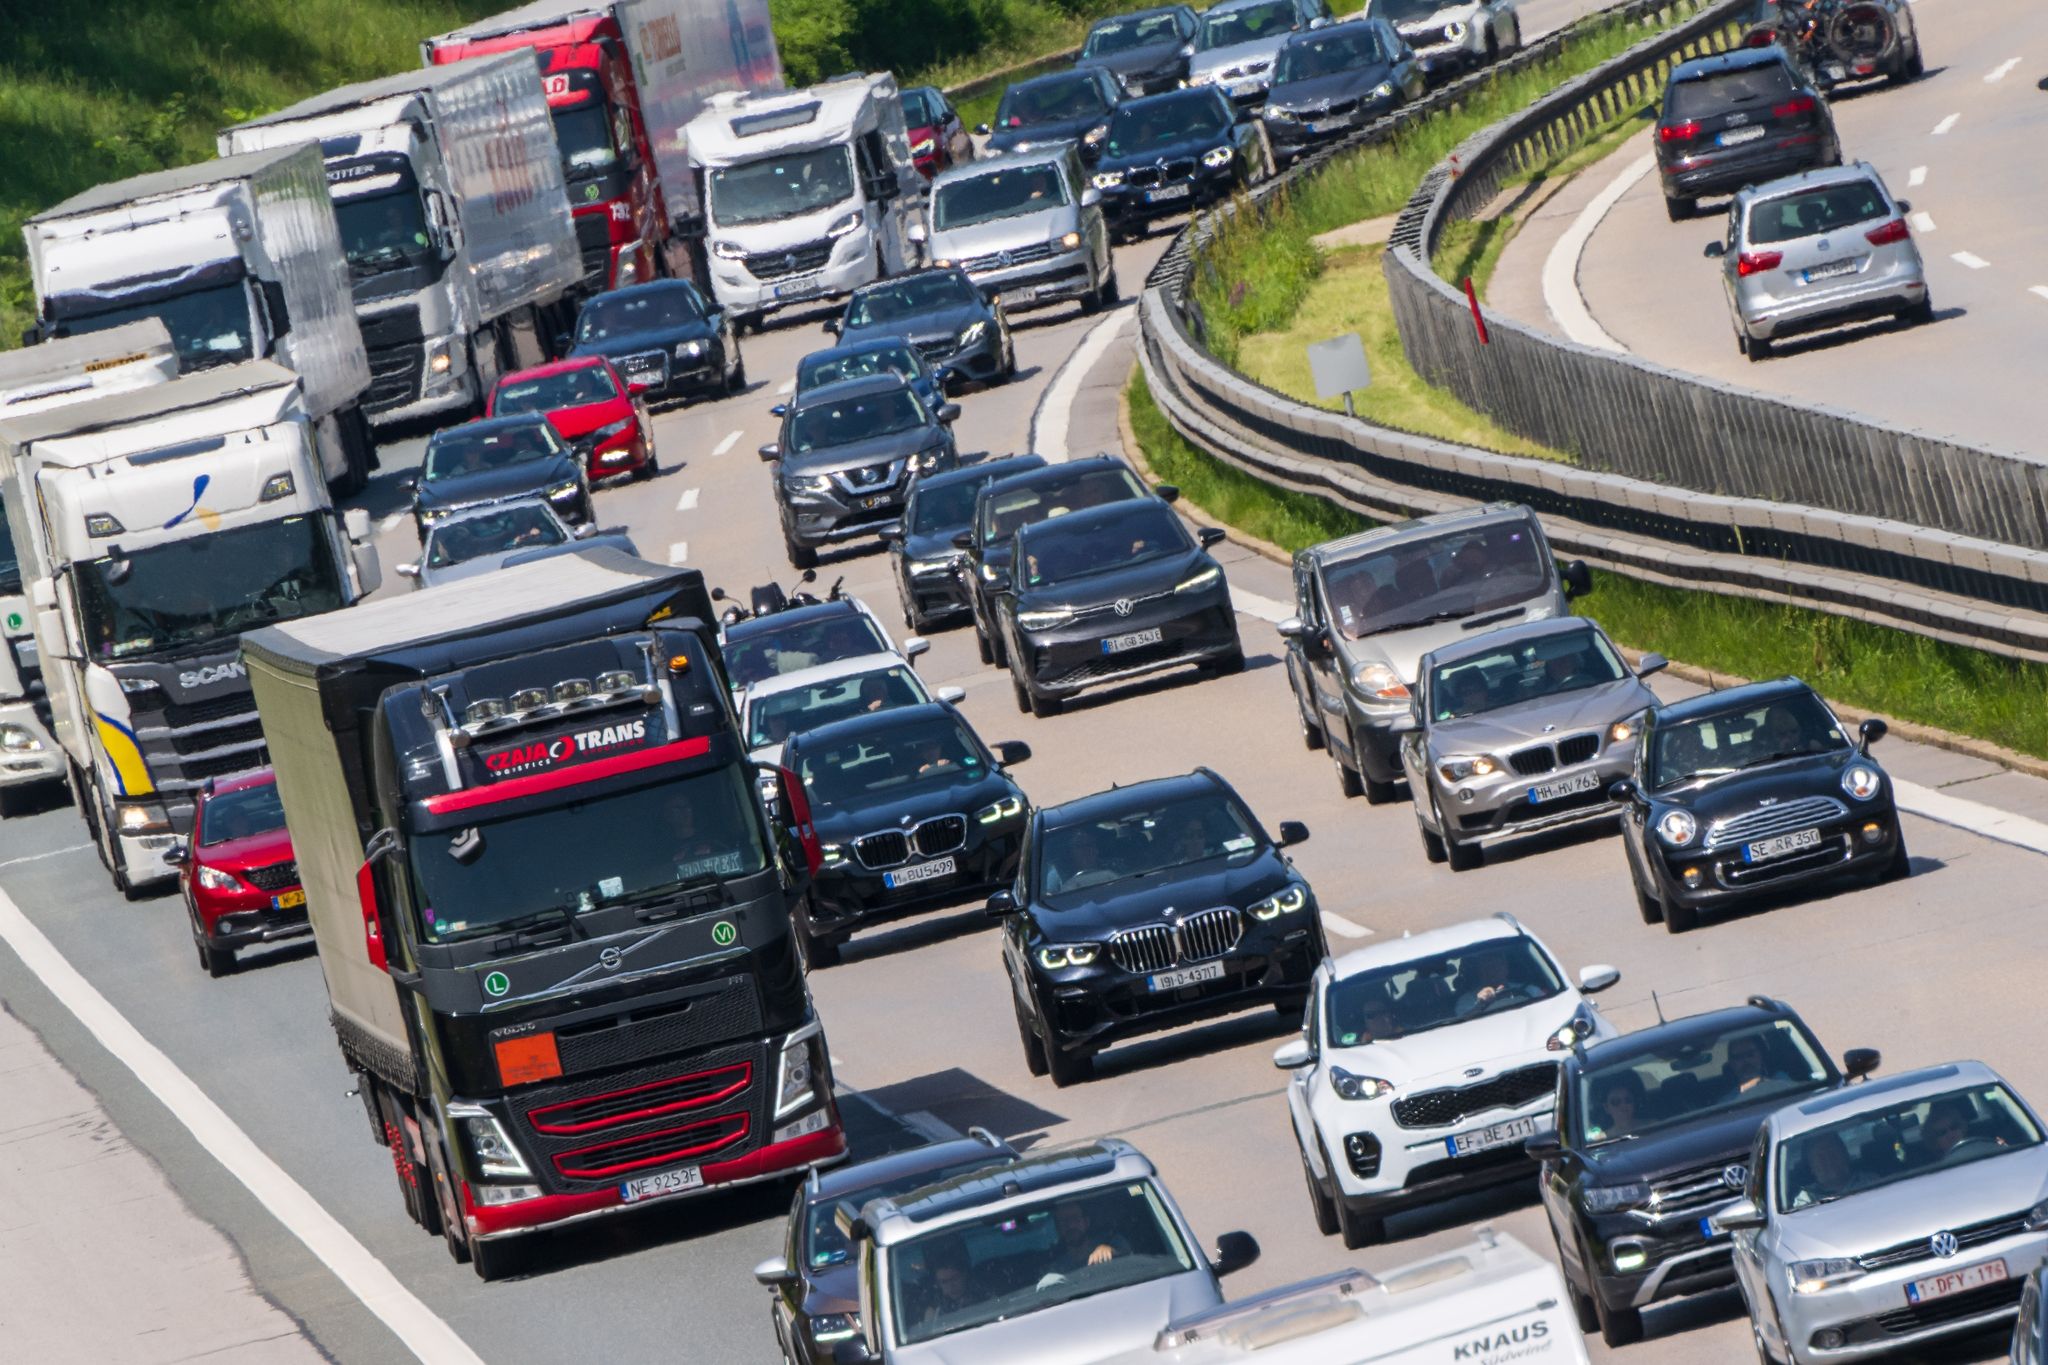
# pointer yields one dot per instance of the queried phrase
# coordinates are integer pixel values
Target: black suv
(932, 575)
(1653, 1132)
(1738, 119)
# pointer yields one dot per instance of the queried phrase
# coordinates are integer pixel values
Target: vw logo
(1735, 1177)
(789, 262)
(1004, 258)
(1122, 606)
(1942, 1244)
(1823, 244)
(610, 959)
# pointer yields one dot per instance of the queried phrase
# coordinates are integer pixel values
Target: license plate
(1165, 192)
(1956, 1281)
(1117, 644)
(1328, 126)
(1764, 849)
(1564, 786)
(1186, 976)
(1023, 294)
(922, 872)
(1484, 1139)
(667, 1182)
(1831, 270)
(1736, 136)
(874, 500)
(1836, 71)
(797, 290)
(288, 900)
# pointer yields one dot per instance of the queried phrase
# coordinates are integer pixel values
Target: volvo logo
(1122, 606)
(1942, 1244)
(1735, 1177)
(610, 959)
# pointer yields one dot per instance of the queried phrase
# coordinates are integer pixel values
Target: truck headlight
(1861, 781)
(797, 1072)
(850, 223)
(971, 334)
(1380, 681)
(441, 356)
(729, 251)
(277, 486)
(1054, 956)
(1815, 1277)
(213, 879)
(1460, 767)
(140, 820)
(495, 1155)
(18, 739)
(1043, 620)
(1613, 1198)
(1286, 901)
(1354, 1087)
(1676, 827)
(995, 812)
(1218, 156)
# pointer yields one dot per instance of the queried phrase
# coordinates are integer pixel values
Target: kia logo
(610, 959)
(1122, 606)
(1942, 1244)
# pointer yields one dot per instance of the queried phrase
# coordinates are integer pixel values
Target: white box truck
(447, 188)
(155, 526)
(240, 258)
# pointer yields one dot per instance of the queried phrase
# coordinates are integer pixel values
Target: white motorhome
(155, 526)
(808, 194)
(240, 258)
(448, 193)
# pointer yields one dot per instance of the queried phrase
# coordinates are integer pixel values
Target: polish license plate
(1765, 849)
(665, 1182)
(288, 900)
(1186, 976)
(1956, 1281)
(1485, 1139)
(1166, 192)
(1831, 270)
(1137, 639)
(921, 872)
(1735, 137)
(800, 289)
(1564, 786)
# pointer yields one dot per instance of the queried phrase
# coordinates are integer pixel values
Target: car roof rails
(1512, 923)
(984, 1136)
(1764, 1002)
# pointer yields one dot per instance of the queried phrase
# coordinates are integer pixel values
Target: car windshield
(824, 1245)
(585, 137)
(456, 452)
(1057, 100)
(775, 716)
(1793, 726)
(916, 752)
(1703, 1075)
(781, 187)
(381, 232)
(623, 315)
(774, 648)
(1810, 213)
(821, 425)
(1901, 1141)
(548, 392)
(1059, 550)
(1529, 671)
(208, 327)
(832, 366)
(1144, 840)
(186, 593)
(1027, 1258)
(1404, 11)
(1122, 35)
(1443, 578)
(1725, 90)
(923, 107)
(1195, 116)
(240, 814)
(1488, 977)
(948, 507)
(1052, 496)
(1346, 47)
(1247, 24)
(522, 526)
(907, 297)
(991, 195)
(588, 853)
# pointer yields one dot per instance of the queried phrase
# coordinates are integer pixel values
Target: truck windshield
(383, 232)
(781, 187)
(208, 326)
(192, 592)
(612, 847)
(10, 562)
(585, 136)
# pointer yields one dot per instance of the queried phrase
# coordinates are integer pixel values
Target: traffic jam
(579, 836)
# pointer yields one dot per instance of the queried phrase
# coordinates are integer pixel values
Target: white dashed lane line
(1946, 124)
(679, 553)
(688, 501)
(1265, 608)
(788, 386)
(1342, 927)
(2041, 289)
(2001, 71)
(391, 521)
(732, 438)
(1923, 222)
(1968, 260)
(1916, 177)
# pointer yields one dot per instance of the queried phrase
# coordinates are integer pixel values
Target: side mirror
(1743, 1213)
(981, 130)
(1544, 1145)
(178, 854)
(1091, 198)
(1622, 789)
(1292, 832)
(1293, 1054)
(409, 482)
(1187, 49)
(772, 450)
(832, 326)
(1859, 1062)
(1317, 22)
(1234, 1251)
(952, 696)
(963, 540)
(1577, 578)
(1715, 250)
(1013, 752)
(1292, 627)
(1167, 492)
(584, 532)
(1001, 904)
(916, 233)
(1652, 663)
(279, 315)
(808, 576)
(1000, 583)
(411, 570)
(774, 1273)
(1593, 980)
(892, 535)
(852, 1351)
(779, 410)
(948, 413)
(914, 645)
(355, 524)
(1905, 205)
(1209, 536)
(1872, 731)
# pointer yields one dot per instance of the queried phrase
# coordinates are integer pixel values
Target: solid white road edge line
(2041, 289)
(1964, 258)
(428, 1338)
(2001, 71)
(688, 501)
(1342, 927)
(1048, 435)
(1974, 816)
(1265, 608)
(679, 552)
(38, 857)
(1916, 177)
(732, 438)
(1561, 267)
(1946, 124)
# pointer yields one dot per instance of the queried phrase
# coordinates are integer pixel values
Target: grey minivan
(1369, 606)
(1027, 225)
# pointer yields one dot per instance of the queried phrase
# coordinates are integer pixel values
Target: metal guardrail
(1736, 534)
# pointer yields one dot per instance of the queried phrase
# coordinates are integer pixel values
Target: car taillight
(1756, 262)
(1798, 104)
(1679, 132)
(1894, 231)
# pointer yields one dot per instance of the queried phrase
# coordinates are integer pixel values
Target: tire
(1757, 348)
(820, 950)
(1312, 736)
(1916, 66)
(453, 1233)
(1461, 857)
(1321, 1207)
(1680, 918)
(1022, 693)
(981, 645)
(800, 556)
(409, 1176)
(736, 382)
(1092, 301)
(1229, 664)
(1067, 1068)
(1920, 313)
(1618, 1326)
(1681, 208)
(497, 1260)
(1348, 781)
(1034, 1047)
(1432, 844)
(1901, 865)
(1359, 1230)
(1647, 905)
(218, 962)
(1582, 1304)
(1112, 292)
(1041, 706)
(1378, 793)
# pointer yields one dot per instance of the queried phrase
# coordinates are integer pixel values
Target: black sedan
(957, 328)
(1169, 153)
(1753, 790)
(912, 812)
(1111, 594)
(1150, 906)
(1065, 106)
(665, 339)
(498, 459)
(1146, 51)
(1332, 81)
(930, 566)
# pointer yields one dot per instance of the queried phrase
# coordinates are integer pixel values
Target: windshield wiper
(1475, 622)
(677, 898)
(542, 922)
(1779, 757)
(1417, 621)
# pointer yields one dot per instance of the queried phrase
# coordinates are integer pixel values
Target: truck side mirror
(276, 314)
(383, 844)
(1859, 1062)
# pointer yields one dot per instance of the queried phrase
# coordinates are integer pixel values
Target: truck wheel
(411, 1176)
(453, 1231)
(820, 950)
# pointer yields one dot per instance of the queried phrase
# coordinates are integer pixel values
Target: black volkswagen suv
(1735, 119)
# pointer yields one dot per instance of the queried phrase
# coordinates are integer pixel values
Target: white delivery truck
(447, 187)
(240, 258)
(154, 527)
(808, 194)
(32, 379)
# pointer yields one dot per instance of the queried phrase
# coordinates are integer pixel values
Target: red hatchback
(590, 407)
(240, 880)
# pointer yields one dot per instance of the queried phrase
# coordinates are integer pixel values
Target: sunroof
(1005, 1182)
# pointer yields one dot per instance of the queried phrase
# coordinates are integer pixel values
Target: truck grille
(892, 848)
(692, 1141)
(1766, 821)
(725, 1009)
(179, 715)
(594, 244)
(1509, 1090)
(638, 1102)
(796, 260)
(395, 376)
(1003, 260)
(203, 740)
(273, 877)
(395, 327)
(1975, 1235)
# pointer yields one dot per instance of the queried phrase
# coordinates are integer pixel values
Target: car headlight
(1576, 1030)
(1861, 781)
(972, 333)
(1815, 1277)
(1095, 135)
(1677, 827)
(689, 350)
(995, 812)
(17, 739)
(1613, 1198)
(1622, 731)
(840, 227)
(924, 146)
(831, 855)
(1070, 240)
(1108, 180)
(928, 460)
(1379, 680)
(1207, 578)
(140, 820)
(1286, 901)
(494, 1152)
(1383, 91)
(1218, 156)
(2037, 1217)
(1043, 620)
(213, 879)
(564, 492)
(1455, 31)
(1353, 1087)
(1460, 767)
(810, 483)
(831, 1327)
(729, 251)
(1054, 956)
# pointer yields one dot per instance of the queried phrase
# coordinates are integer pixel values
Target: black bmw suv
(1653, 1130)
(1148, 906)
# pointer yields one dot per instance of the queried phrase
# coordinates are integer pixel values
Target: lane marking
(1974, 816)
(1265, 608)
(2041, 289)
(1916, 177)
(788, 386)
(679, 553)
(1337, 924)
(1923, 222)
(1946, 124)
(1561, 267)
(1049, 420)
(391, 521)
(1964, 258)
(38, 857)
(2001, 71)
(688, 501)
(424, 1334)
(732, 438)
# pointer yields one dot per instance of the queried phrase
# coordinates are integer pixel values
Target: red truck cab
(237, 873)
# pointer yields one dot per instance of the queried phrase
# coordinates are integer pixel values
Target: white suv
(1423, 1065)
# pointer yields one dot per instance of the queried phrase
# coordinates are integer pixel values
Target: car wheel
(1647, 905)
(1378, 793)
(800, 556)
(646, 469)
(1112, 292)
(1920, 312)
(1319, 1202)
(1230, 663)
(1042, 706)
(1916, 65)
(1582, 1304)
(1067, 1068)
(1348, 781)
(981, 645)
(1359, 1230)
(1432, 843)
(1681, 208)
(736, 382)
(1034, 1049)
(1312, 737)
(820, 950)
(1461, 857)
(1756, 348)
(216, 962)
(1901, 865)
(1680, 918)
(1618, 1326)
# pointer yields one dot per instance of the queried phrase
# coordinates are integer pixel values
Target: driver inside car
(1483, 979)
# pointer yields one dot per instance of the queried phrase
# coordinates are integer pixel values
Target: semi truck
(552, 912)
(154, 526)
(624, 78)
(241, 259)
(31, 380)
(448, 193)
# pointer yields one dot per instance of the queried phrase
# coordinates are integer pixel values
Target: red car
(240, 880)
(937, 137)
(590, 407)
